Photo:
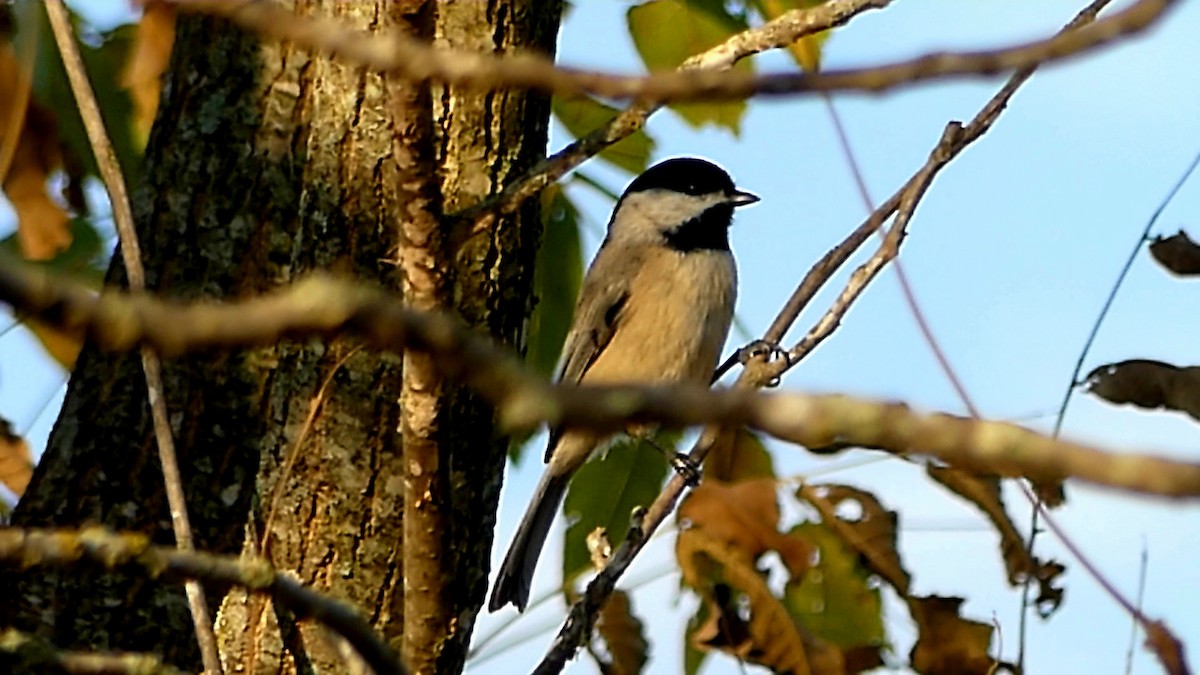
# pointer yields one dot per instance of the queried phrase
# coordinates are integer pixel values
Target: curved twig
(100, 546)
(118, 196)
(416, 61)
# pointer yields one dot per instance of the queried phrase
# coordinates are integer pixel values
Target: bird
(655, 307)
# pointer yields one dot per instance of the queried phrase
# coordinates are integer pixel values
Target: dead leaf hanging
(1177, 253)
(1148, 384)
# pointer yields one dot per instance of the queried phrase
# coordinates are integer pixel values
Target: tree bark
(266, 162)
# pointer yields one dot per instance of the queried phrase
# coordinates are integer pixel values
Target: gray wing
(598, 313)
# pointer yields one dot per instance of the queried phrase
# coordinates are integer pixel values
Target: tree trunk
(267, 162)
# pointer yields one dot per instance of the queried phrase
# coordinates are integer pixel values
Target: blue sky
(1011, 254)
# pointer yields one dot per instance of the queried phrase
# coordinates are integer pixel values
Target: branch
(118, 197)
(99, 546)
(321, 306)
(418, 62)
(955, 139)
(775, 34)
(29, 653)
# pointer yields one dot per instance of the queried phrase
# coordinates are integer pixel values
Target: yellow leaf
(42, 223)
(143, 70)
(666, 32)
(16, 462)
(62, 346)
(807, 50)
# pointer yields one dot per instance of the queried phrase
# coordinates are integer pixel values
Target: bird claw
(763, 348)
(687, 469)
(770, 350)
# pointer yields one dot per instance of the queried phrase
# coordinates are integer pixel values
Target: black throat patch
(708, 232)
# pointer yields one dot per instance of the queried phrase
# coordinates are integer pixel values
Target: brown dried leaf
(62, 346)
(16, 462)
(737, 456)
(142, 74)
(1148, 384)
(1177, 253)
(872, 534)
(984, 493)
(42, 223)
(948, 644)
(1166, 647)
(742, 617)
(744, 518)
(625, 642)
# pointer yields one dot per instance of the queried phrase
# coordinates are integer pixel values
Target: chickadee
(655, 306)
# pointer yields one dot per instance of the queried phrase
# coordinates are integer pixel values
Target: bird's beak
(739, 198)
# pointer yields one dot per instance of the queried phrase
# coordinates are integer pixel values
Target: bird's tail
(516, 572)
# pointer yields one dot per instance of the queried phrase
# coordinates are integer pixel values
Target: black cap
(688, 175)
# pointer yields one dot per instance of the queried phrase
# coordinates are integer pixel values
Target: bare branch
(29, 653)
(320, 306)
(118, 196)
(418, 62)
(775, 34)
(758, 373)
(99, 546)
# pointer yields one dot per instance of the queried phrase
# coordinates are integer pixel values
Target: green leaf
(605, 491)
(836, 600)
(84, 261)
(81, 260)
(558, 272)
(694, 657)
(583, 115)
(666, 32)
(103, 63)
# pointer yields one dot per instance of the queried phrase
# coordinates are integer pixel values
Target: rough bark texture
(267, 162)
(481, 139)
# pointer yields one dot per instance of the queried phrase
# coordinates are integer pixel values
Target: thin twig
(1038, 512)
(981, 123)
(777, 33)
(1141, 596)
(416, 61)
(954, 140)
(263, 545)
(114, 183)
(1143, 237)
(1161, 641)
(906, 288)
(29, 653)
(888, 250)
(108, 549)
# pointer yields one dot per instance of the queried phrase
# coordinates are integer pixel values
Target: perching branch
(775, 34)
(955, 138)
(322, 306)
(99, 546)
(411, 59)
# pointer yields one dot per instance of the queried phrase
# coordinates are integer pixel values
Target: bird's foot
(687, 469)
(763, 348)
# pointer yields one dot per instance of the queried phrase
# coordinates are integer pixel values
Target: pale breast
(675, 322)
